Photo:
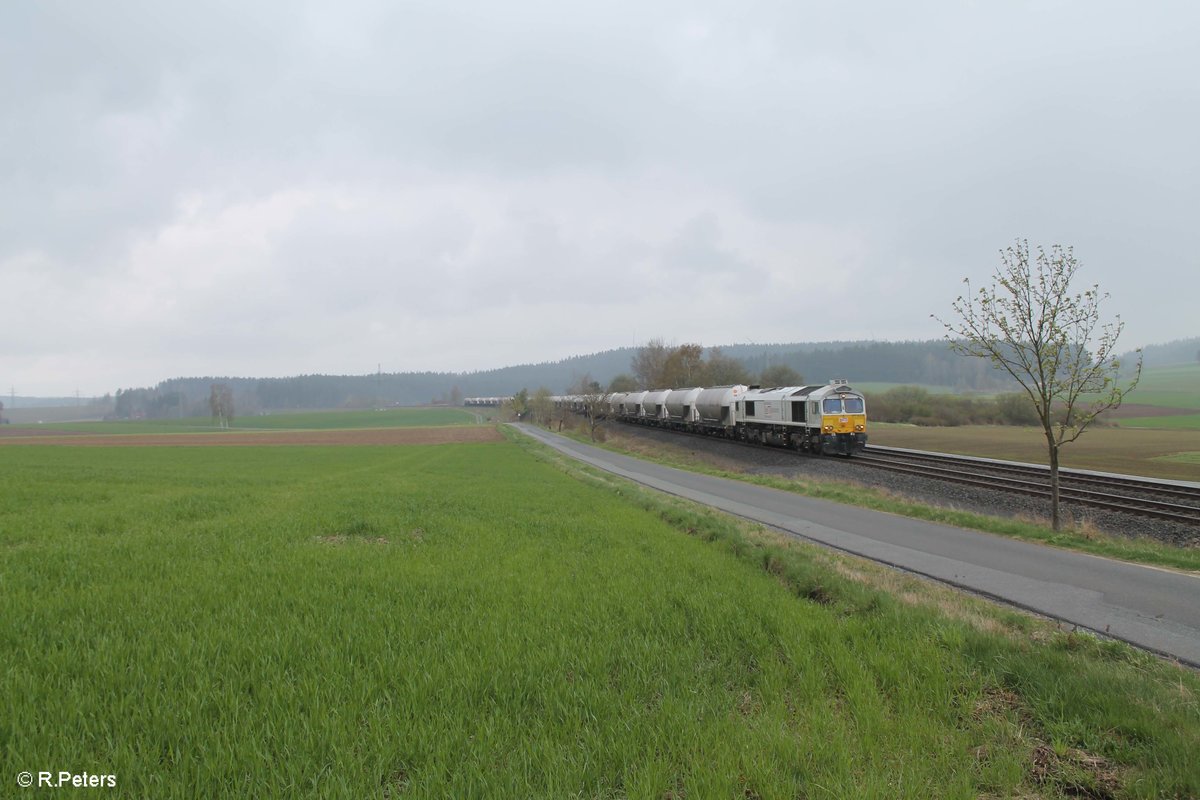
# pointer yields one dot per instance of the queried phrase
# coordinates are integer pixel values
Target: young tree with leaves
(542, 407)
(516, 406)
(1049, 337)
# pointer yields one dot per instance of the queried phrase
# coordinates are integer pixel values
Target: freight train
(828, 419)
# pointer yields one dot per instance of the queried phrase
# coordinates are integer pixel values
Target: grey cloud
(503, 162)
(698, 253)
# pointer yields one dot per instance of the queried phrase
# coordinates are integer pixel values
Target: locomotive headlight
(829, 428)
(858, 427)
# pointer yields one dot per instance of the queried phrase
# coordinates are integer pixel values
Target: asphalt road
(1154, 608)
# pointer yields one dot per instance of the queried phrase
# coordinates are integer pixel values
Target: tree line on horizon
(929, 363)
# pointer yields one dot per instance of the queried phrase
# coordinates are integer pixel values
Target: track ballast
(1169, 500)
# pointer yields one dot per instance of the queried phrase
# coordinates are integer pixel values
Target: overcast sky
(282, 188)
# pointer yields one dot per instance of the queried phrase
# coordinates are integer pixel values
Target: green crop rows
(1173, 387)
(476, 621)
(302, 420)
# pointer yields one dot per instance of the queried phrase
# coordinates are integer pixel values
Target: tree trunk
(1055, 515)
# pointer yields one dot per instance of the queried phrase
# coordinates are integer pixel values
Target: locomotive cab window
(854, 405)
(750, 408)
(832, 405)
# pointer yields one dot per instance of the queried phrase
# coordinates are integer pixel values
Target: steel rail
(1135, 483)
(970, 471)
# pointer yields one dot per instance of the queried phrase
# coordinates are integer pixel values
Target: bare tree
(656, 366)
(593, 401)
(723, 370)
(684, 366)
(649, 364)
(220, 401)
(1050, 339)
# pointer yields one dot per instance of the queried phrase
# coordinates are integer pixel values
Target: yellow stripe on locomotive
(841, 423)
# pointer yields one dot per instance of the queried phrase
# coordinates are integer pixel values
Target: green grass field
(1183, 458)
(1170, 387)
(1173, 388)
(488, 621)
(1182, 422)
(302, 420)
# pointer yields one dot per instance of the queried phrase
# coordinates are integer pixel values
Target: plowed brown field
(456, 434)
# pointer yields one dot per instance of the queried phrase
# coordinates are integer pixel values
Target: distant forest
(924, 363)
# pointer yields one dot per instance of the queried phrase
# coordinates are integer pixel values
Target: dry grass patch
(1050, 767)
(1074, 772)
(337, 539)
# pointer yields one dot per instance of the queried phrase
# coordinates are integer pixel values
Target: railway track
(1164, 500)
(1173, 501)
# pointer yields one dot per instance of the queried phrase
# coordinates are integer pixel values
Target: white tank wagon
(568, 402)
(631, 408)
(616, 401)
(681, 406)
(716, 407)
(654, 405)
(486, 401)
